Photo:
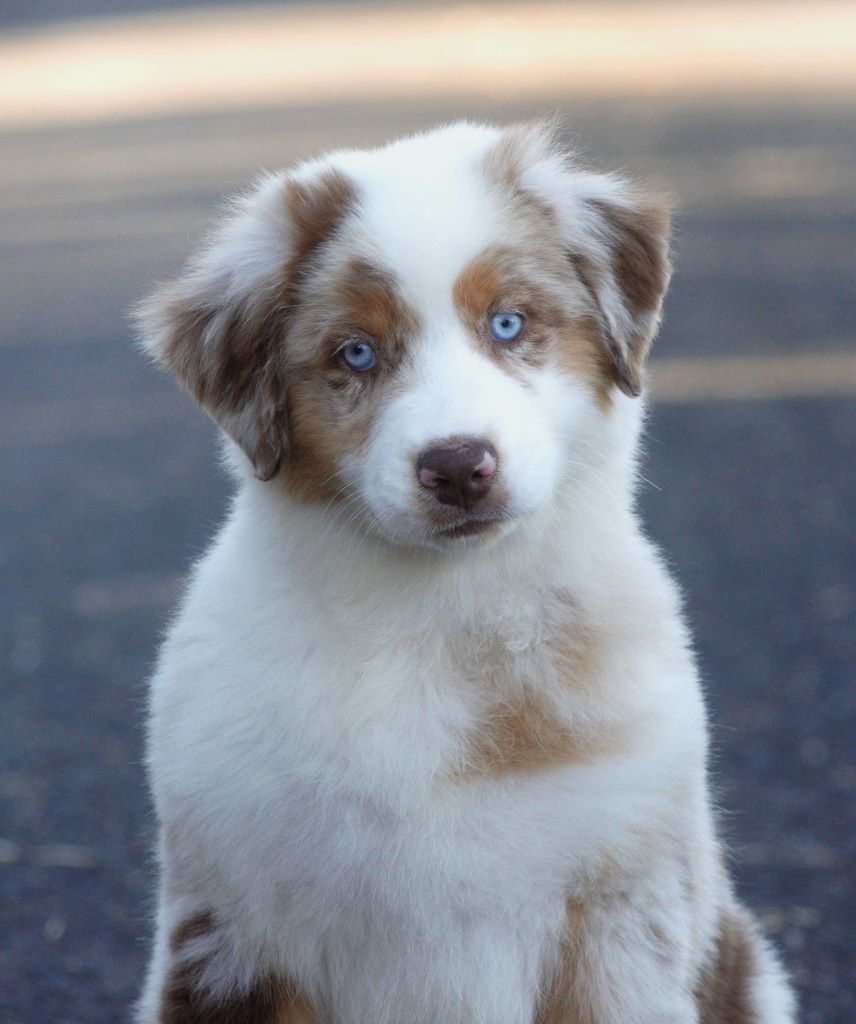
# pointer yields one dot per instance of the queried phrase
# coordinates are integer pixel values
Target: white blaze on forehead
(425, 208)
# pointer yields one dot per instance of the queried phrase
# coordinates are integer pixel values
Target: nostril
(429, 478)
(486, 468)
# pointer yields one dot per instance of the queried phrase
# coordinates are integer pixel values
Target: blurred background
(122, 126)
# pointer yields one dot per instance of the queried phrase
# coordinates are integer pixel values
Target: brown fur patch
(226, 358)
(193, 928)
(723, 995)
(532, 281)
(527, 732)
(639, 256)
(370, 301)
(184, 1001)
(580, 990)
(506, 160)
(331, 409)
(230, 356)
(316, 209)
(582, 354)
(725, 992)
(267, 1002)
(565, 1001)
(520, 147)
(524, 735)
(618, 370)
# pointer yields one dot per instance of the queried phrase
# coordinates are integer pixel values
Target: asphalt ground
(111, 487)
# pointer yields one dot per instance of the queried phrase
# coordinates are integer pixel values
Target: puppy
(426, 743)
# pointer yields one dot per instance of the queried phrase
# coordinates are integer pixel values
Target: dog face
(421, 333)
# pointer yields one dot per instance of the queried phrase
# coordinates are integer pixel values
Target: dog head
(421, 333)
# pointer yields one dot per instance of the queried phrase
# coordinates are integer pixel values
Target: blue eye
(359, 355)
(506, 327)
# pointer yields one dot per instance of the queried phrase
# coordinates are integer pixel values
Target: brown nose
(458, 474)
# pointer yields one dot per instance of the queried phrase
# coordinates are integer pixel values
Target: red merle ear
(225, 351)
(221, 326)
(624, 265)
(616, 239)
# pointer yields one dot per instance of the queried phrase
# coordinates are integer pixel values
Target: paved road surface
(110, 488)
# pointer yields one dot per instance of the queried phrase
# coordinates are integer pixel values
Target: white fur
(322, 677)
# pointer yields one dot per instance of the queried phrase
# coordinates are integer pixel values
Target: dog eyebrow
(501, 274)
(370, 299)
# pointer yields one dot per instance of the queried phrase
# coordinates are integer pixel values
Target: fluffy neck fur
(425, 648)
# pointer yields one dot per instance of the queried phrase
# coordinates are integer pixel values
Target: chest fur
(424, 806)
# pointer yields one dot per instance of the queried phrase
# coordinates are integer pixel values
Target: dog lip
(470, 526)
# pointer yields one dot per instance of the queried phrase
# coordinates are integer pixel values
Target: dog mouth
(471, 526)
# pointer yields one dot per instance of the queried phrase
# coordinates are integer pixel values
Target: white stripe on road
(805, 375)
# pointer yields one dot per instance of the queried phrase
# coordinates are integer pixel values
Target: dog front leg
(621, 963)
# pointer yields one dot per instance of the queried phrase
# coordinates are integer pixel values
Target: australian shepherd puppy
(426, 743)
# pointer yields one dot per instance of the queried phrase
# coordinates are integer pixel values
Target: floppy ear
(616, 239)
(619, 246)
(221, 326)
